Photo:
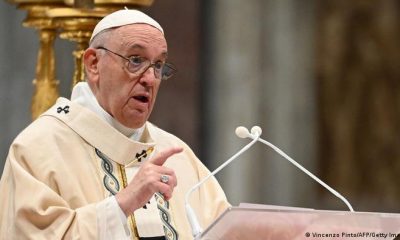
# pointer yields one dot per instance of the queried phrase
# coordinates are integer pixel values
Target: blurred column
(260, 72)
(233, 84)
(359, 101)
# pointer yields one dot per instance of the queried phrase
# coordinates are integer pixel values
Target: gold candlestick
(45, 83)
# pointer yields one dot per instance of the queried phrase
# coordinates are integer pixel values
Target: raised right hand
(147, 182)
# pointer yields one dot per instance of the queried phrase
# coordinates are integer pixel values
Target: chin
(134, 118)
(135, 124)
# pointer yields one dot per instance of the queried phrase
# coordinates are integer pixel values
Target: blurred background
(321, 77)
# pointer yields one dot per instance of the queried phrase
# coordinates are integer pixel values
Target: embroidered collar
(100, 134)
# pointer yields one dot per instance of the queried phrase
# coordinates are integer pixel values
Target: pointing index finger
(161, 157)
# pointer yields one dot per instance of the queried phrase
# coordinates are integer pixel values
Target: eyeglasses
(138, 65)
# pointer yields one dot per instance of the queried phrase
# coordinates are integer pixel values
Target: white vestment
(69, 160)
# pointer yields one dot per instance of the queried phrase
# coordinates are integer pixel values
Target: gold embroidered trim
(131, 218)
(122, 173)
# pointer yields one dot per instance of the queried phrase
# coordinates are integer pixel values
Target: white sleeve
(111, 220)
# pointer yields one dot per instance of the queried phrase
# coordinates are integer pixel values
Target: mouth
(142, 98)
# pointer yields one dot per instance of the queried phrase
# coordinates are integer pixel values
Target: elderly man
(94, 167)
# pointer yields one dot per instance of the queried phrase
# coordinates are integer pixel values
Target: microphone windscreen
(256, 130)
(242, 132)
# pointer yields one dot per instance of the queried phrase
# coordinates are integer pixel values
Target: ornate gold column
(46, 86)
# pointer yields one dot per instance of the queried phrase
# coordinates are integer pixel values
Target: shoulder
(161, 136)
(45, 132)
(41, 129)
(164, 140)
(43, 144)
(48, 144)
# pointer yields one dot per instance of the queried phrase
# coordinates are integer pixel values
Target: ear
(91, 59)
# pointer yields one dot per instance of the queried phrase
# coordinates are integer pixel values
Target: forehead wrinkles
(142, 34)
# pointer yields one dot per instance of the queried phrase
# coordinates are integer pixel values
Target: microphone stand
(280, 152)
(191, 216)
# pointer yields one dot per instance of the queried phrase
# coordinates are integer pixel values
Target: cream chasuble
(69, 160)
(148, 222)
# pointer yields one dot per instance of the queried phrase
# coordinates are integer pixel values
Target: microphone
(244, 133)
(190, 214)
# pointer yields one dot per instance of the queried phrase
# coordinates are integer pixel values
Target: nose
(148, 77)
